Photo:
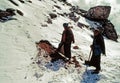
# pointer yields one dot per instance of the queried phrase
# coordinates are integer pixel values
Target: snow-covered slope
(17, 47)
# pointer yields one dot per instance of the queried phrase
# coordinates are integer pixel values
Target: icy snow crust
(18, 49)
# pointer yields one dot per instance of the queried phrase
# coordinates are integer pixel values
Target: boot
(96, 71)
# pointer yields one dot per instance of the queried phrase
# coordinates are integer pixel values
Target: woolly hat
(65, 24)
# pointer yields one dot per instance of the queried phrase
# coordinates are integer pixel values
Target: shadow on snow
(88, 77)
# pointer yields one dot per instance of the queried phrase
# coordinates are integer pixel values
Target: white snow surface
(17, 47)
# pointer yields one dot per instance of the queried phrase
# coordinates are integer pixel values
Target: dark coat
(67, 36)
(98, 47)
(66, 40)
(98, 43)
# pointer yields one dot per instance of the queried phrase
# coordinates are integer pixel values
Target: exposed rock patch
(98, 14)
(20, 12)
(13, 2)
(109, 31)
(7, 14)
(52, 15)
(21, 1)
(51, 56)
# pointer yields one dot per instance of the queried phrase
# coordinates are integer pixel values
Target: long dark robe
(67, 38)
(98, 48)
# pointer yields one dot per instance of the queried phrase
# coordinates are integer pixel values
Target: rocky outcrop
(73, 17)
(98, 13)
(74, 9)
(6, 14)
(109, 31)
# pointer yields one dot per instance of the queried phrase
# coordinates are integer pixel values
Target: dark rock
(65, 14)
(44, 25)
(54, 1)
(49, 21)
(54, 10)
(76, 19)
(6, 15)
(20, 12)
(77, 10)
(60, 14)
(74, 8)
(29, 1)
(82, 11)
(57, 7)
(98, 13)
(11, 11)
(68, 4)
(21, 1)
(52, 15)
(75, 47)
(71, 14)
(64, 0)
(81, 25)
(73, 17)
(13, 2)
(109, 31)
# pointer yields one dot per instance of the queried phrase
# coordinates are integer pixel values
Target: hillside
(18, 50)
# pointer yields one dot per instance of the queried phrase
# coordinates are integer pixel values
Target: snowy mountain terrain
(18, 49)
(115, 8)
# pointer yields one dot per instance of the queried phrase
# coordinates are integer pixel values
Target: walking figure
(97, 48)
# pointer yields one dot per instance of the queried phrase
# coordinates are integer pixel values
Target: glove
(59, 47)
